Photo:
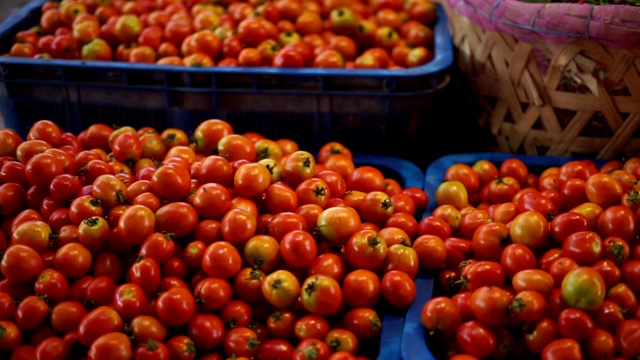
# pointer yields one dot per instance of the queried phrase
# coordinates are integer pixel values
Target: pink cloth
(612, 25)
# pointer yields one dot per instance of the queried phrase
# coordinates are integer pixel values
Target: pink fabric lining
(612, 25)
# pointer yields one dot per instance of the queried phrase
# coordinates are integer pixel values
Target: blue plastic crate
(414, 346)
(408, 175)
(362, 108)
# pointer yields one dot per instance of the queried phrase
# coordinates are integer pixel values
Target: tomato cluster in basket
(388, 34)
(124, 243)
(544, 266)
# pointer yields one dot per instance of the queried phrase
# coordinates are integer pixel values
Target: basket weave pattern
(575, 99)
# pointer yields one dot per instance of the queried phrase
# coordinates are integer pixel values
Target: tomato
(145, 272)
(211, 201)
(402, 257)
(540, 334)
(281, 288)
(98, 322)
(608, 316)
(566, 224)
(452, 193)
(489, 304)
(534, 280)
(534, 201)
(619, 221)
(166, 215)
(21, 263)
(431, 251)
(627, 343)
(327, 264)
(585, 247)
(311, 327)
(631, 273)
(311, 349)
(53, 285)
(181, 347)
(298, 249)
(42, 168)
(7, 306)
(583, 288)
(241, 341)
(34, 234)
(136, 224)
(336, 225)
(575, 324)
(482, 273)
(610, 273)
(176, 307)
(466, 175)
(475, 339)
(158, 246)
(171, 182)
(516, 257)
(145, 328)
(321, 295)
(237, 313)
(12, 336)
(441, 315)
(568, 349)
(221, 259)
(600, 345)
(112, 345)
(130, 300)
(52, 348)
(281, 324)
(603, 189)
(31, 313)
(398, 289)
(622, 295)
(365, 250)
(247, 285)
(152, 350)
(238, 226)
(488, 239)
(206, 331)
(262, 252)
(529, 228)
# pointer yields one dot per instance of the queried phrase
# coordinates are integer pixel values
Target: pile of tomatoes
(388, 34)
(544, 266)
(136, 244)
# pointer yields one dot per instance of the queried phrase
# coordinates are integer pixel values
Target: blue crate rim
(443, 51)
(413, 333)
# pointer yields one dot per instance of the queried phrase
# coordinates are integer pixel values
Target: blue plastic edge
(409, 176)
(443, 57)
(413, 345)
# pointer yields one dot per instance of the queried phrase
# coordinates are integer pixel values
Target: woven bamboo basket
(547, 92)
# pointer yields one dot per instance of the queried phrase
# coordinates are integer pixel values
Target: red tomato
(206, 331)
(298, 249)
(398, 289)
(112, 345)
(441, 314)
(221, 259)
(568, 349)
(311, 327)
(365, 250)
(489, 304)
(475, 339)
(619, 221)
(321, 295)
(627, 335)
(241, 341)
(603, 189)
(98, 322)
(176, 307)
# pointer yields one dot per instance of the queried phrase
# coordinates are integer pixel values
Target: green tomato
(583, 288)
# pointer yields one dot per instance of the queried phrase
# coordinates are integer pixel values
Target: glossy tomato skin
(627, 342)
(321, 295)
(475, 339)
(441, 314)
(568, 349)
